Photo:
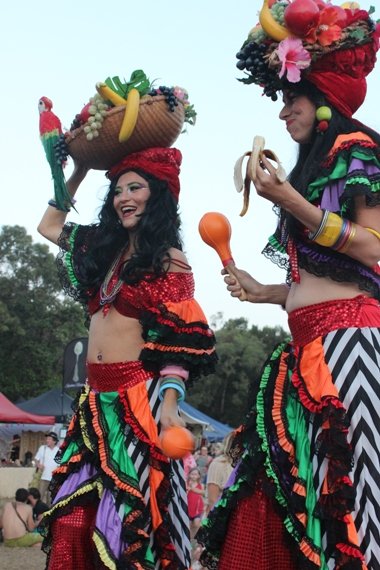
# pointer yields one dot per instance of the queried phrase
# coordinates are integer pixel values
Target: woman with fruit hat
(118, 501)
(305, 491)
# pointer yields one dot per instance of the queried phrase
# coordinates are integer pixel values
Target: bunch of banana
(131, 104)
(270, 26)
(258, 149)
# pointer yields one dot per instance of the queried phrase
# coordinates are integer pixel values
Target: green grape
(257, 35)
(278, 10)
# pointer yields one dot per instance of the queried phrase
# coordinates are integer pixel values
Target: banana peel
(258, 150)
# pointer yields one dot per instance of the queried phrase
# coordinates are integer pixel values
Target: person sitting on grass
(16, 522)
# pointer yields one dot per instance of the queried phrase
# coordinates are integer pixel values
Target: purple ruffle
(108, 521)
(343, 263)
(333, 192)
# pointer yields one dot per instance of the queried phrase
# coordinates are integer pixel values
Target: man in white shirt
(46, 463)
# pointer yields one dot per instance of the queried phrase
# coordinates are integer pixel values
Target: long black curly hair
(158, 230)
(312, 154)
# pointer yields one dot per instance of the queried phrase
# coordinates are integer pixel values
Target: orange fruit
(176, 442)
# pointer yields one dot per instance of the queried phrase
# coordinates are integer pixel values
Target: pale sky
(62, 50)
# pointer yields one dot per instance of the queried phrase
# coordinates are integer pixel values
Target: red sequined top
(174, 327)
(132, 300)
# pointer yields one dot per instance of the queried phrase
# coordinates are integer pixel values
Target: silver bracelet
(313, 235)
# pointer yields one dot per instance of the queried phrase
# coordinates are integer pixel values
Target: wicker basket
(156, 126)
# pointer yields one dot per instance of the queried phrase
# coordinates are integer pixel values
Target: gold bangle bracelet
(349, 239)
(374, 232)
(331, 232)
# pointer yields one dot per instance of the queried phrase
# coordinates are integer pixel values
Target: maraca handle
(230, 270)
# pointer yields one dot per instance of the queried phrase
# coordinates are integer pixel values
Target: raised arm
(53, 220)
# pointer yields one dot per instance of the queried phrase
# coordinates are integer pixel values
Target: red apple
(271, 2)
(301, 16)
(84, 114)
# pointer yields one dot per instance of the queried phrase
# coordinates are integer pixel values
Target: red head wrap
(163, 163)
(341, 76)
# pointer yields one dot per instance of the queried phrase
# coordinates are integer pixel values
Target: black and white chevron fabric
(179, 519)
(353, 356)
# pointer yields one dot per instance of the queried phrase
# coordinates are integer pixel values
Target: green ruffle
(273, 241)
(340, 170)
(68, 257)
(297, 430)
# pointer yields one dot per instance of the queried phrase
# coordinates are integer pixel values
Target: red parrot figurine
(50, 133)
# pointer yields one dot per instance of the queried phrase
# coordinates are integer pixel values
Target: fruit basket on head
(125, 117)
(121, 118)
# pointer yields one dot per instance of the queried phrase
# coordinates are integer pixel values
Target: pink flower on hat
(294, 57)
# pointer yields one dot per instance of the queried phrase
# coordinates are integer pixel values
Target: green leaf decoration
(358, 35)
(246, 80)
(137, 81)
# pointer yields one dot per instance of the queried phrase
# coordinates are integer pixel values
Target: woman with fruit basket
(305, 491)
(118, 501)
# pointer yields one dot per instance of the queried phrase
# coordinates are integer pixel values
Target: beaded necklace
(112, 282)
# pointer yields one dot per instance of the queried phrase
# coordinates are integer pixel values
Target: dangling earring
(323, 115)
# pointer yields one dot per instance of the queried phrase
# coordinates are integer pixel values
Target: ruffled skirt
(118, 502)
(305, 492)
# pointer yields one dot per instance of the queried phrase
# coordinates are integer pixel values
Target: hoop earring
(323, 115)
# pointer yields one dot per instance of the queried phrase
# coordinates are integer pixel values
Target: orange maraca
(215, 230)
(176, 442)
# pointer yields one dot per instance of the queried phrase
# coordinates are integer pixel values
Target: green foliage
(242, 352)
(36, 321)
(137, 81)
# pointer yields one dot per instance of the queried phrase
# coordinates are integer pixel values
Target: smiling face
(299, 114)
(194, 475)
(131, 195)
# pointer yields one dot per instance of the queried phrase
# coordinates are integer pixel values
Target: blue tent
(54, 402)
(212, 429)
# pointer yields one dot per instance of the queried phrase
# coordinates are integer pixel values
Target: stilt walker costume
(305, 491)
(118, 501)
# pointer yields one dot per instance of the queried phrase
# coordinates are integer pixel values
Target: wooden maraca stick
(230, 270)
(215, 230)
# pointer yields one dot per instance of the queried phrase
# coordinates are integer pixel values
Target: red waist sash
(109, 377)
(313, 321)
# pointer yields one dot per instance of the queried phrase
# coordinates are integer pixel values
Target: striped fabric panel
(179, 520)
(353, 356)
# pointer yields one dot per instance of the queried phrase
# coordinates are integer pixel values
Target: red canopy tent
(9, 413)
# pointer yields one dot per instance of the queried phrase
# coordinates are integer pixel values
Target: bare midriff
(312, 289)
(114, 337)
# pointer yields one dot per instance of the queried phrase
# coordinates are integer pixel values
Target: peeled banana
(258, 149)
(130, 115)
(272, 28)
